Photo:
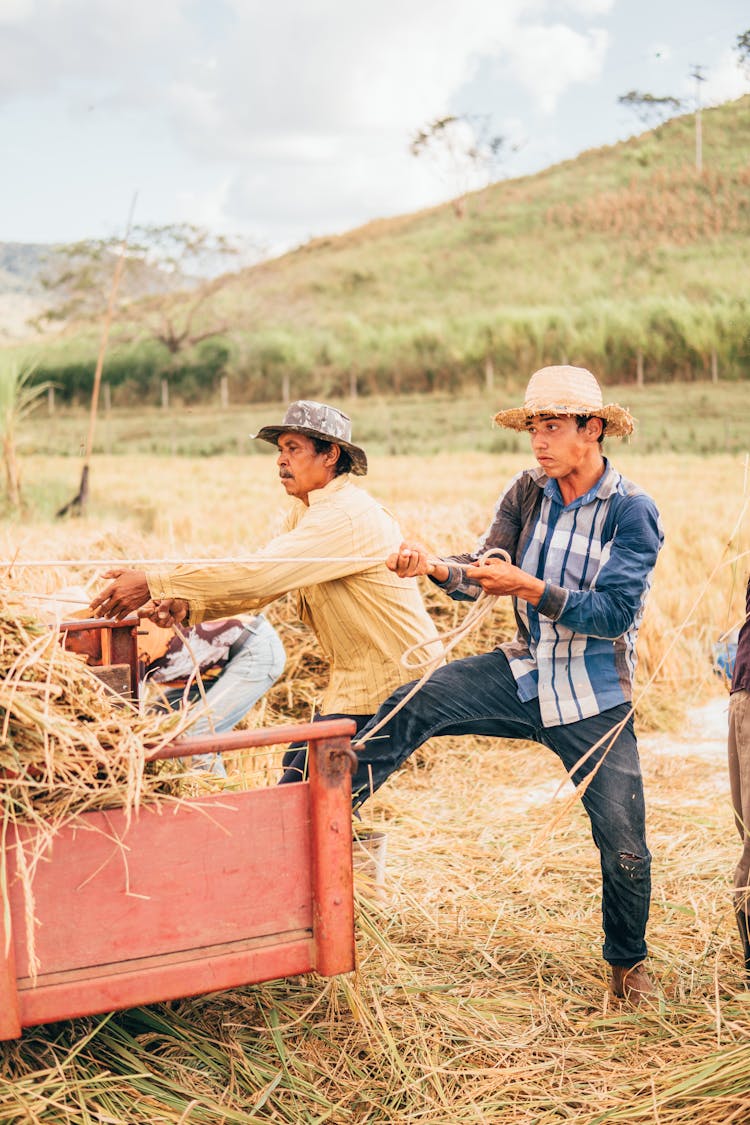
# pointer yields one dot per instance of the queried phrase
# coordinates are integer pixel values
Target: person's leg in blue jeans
(478, 695)
(244, 679)
(613, 799)
(296, 757)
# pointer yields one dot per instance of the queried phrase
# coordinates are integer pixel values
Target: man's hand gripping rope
(419, 563)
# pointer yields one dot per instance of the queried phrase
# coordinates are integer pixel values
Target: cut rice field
(480, 994)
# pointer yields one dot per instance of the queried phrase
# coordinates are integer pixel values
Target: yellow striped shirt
(363, 615)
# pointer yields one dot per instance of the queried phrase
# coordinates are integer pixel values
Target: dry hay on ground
(480, 994)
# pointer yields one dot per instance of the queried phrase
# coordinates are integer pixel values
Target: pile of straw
(480, 994)
(67, 744)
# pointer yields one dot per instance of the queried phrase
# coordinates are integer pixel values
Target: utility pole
(696, 74)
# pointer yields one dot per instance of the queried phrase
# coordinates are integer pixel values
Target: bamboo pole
(78, 503)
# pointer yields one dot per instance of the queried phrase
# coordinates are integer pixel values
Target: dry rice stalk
(480, 995)
(68, 746)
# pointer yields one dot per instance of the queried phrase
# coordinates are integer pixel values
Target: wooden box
(110, 648)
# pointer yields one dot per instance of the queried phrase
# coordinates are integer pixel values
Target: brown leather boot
(633, 985)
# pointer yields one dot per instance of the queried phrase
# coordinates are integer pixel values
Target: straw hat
(317, 419)
(566, 390)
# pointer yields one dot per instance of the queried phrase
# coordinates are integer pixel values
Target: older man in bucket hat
(331, 552)
(582, 543)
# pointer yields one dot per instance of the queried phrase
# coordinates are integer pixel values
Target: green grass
(694, 418)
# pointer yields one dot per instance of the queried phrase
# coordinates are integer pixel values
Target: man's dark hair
(344, 463)
(582, 419)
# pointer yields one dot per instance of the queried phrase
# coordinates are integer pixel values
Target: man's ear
(333, 454)
(595, 427)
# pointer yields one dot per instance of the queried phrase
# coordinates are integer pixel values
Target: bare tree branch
(649, 109)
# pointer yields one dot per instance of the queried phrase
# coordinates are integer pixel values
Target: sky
(287, 120)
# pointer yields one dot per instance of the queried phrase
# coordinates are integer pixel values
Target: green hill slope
(624, 259)
(620, 222)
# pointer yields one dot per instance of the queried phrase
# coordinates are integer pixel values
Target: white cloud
(15, 12)
(296, 116)
(343, 191)
(590, 7)
(315, 107)
(724, 81)
(547, 60)
(327, 68)
(50, 44)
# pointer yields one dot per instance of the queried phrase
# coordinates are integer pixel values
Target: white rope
(482, 607)
(12, 564)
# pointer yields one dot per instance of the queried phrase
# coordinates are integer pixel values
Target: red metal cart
(197, 896)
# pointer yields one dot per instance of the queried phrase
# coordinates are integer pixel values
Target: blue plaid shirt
(575, 650)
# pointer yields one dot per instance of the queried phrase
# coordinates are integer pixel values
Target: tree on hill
(650, 109)
(173, 271)
(742, 47)
(463, 151)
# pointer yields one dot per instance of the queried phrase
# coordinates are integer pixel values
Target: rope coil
(482, 607)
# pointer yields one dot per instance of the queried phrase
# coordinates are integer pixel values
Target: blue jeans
(478, 695)
(295, 758)
(244, 679)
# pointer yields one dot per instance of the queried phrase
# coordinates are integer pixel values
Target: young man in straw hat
(331, 552)
(582, 542)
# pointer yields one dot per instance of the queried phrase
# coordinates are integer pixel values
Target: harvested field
(480, 994)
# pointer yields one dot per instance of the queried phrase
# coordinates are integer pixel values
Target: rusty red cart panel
(197, 896)
(110, 648)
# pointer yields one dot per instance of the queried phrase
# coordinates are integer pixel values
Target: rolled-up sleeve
(553, 600)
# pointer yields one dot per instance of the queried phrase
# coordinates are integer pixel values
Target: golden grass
(480, 994)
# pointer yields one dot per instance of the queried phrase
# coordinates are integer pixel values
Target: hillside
(622, 222)
(622, 258)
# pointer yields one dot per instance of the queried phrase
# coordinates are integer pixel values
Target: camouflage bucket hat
(318, 420)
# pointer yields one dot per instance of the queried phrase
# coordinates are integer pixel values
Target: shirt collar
(318, 495)
(602, 489)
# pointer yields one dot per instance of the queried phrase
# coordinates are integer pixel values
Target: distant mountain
(21, 290)
(23, 296)
(21, 265)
